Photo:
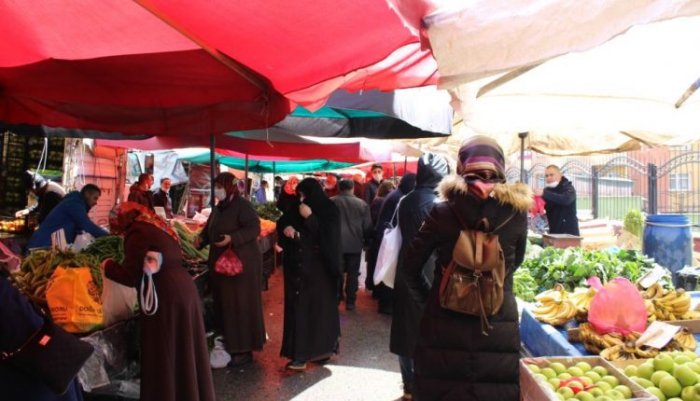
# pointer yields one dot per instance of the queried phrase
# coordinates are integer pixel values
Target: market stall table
(542, 339)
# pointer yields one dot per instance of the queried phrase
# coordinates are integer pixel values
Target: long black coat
(414, 209)
(560, 205)
(453, 359)
(311, 318)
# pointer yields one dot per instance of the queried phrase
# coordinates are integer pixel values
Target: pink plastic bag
(618, 307)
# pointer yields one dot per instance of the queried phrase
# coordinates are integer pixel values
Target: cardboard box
(621, 364)
(561, 240)
(532, 390)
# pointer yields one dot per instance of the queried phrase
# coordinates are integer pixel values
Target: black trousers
(351, 266)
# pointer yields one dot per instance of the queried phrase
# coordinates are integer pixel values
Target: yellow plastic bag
(74, 300)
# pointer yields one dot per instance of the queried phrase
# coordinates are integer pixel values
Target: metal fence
(654, 181)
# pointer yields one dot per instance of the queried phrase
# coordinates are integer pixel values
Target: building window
(680, 182)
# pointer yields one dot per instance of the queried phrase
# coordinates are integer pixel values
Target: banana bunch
(668, 304)
(685, 339)
(624, 351)
(582, 298)
(645, 351)
(554, 306)
(651, 310)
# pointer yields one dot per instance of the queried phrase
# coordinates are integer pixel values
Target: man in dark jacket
(386, 215)
(372, 185)
(71, 215)
(407, 313)
(560, 202)
(161, 197)
(355, 229)
(49, 194)
(141, 192)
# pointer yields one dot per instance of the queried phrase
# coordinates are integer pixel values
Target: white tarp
(475, 39)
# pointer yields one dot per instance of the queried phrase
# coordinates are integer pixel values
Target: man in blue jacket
(71, 215)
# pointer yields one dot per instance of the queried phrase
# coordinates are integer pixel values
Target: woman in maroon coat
(174, 357)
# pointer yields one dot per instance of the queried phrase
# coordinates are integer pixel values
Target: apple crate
(532, 390)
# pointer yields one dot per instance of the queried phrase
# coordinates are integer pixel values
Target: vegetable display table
(542, 339)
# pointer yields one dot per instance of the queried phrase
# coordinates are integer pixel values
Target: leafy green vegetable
(573, 266)
(524, 286)
(267, 211)
(634, 222)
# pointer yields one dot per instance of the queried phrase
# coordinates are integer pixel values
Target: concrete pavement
(364, 370)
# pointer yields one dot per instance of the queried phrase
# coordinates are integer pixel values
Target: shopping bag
(118, 301)
(388, 256)
(229, 264)
(74, 300)
(618, 307)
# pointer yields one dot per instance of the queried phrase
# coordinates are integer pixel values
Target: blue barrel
(669, 240)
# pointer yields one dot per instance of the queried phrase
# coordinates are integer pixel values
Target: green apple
(575, 371)
(574, 385)
(585, 396)
(646, 383)
(565, 376)
(631, 370)
(694, 366)
(555, 382)
(584, 366)
(670, 387)
(603, 385)
(600, 370)
(674, 399)
(657, 376)
(558, 367)
(593, 375)
(549, 373)
(656, 392)
(645, 370)
(595, 391)
(615, 395)
(533, 368)
(603, 398)
(624, 390)
(681, 359)
(567, 392)
(663, 361)
(685, 375)
(586, 380)
(691, 393)
(614, 381)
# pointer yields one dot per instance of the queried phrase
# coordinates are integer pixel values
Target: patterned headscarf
(481, 164)
(290, 187)
(229, 183)
(481, 153)
(128, 213)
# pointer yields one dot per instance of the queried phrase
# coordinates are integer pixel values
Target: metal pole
(653, 193)
(405, 164)
(247, 190)
(523, 174)
(212, 166)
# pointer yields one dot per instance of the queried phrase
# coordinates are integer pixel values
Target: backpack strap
(483, 222)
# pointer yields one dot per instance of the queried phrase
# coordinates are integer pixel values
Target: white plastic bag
(118, 301)
(388, 256)
(82, 241)
(218, 357)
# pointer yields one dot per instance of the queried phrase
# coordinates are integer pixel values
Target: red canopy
(111, 65)
(255, 149)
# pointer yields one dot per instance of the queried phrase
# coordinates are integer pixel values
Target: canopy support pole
(405, 164)
(212, 166)
(247, 190)
(523, 174)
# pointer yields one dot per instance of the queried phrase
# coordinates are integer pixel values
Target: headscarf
(313, 192)
(481, 164)
(328, 216)
(128, 213)
(290, 187)
(229, 183)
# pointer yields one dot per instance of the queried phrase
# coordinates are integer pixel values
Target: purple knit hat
(479, 153)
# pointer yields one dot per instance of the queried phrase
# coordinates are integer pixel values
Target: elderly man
(560, 202)
(355, 230)
(161, 197)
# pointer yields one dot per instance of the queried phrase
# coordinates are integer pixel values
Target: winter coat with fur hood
(453, 359)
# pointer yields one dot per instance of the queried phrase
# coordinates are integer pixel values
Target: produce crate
(532, 390)
(561, 240)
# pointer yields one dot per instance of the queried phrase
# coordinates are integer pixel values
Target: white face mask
(377, 177)
(220, 193)
(552, 184)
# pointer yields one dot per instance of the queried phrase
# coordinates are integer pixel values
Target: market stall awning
(268, 166)
(184, 68)
(476, 39)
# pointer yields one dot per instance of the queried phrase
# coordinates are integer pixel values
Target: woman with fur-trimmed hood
(453, 359)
